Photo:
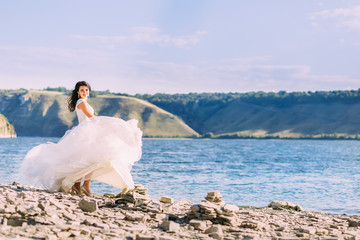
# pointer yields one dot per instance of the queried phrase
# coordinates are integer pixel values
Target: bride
(99, 148)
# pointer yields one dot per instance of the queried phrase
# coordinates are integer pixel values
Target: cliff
(6, 129)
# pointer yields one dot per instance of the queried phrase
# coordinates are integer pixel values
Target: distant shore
(29, 212)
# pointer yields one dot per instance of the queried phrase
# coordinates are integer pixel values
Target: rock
(231, 208)
(322, 231)
(109, 195)
(195, 208)
(167, 200)
(202, 236)
(167, 238)
(134, 216)
(306, 229)
(15, 222)
(144, 237)
(226, 220)
(185, 235)
(214, 196)
(215, 231)
(249, 224)
(198, 224)
(160, 216)
(132, 197)
(170, 226)
(88, 205)
(154, 206)
(63, 235)
(208, 206)
(43, 204)
(354, 223)
(284, 205)
(58, 205)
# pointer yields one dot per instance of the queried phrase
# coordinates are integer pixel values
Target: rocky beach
(35, 213)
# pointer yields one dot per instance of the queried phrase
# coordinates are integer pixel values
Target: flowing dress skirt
(100, 148)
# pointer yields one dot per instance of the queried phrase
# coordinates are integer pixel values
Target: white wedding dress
(100, 148)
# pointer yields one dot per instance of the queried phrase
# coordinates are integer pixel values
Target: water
(318, 175)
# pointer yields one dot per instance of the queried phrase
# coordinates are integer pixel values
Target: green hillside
(6, 129)
(45, 113)
(333, 114)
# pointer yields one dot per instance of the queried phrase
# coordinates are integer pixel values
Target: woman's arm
(85, 109)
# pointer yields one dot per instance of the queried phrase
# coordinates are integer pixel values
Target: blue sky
(181, 46)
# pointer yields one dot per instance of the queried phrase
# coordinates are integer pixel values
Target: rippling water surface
(318, 175)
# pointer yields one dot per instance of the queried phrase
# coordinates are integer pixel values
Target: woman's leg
(86, 183)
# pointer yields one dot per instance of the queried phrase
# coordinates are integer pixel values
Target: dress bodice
(80, 114)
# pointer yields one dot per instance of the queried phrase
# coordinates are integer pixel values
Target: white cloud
(150, 35)
(229, 75)
(39, 67)
(344, 17)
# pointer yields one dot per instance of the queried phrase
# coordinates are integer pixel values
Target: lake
(320, 175)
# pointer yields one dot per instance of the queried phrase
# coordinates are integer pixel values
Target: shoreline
(342, 138)
(30, 212)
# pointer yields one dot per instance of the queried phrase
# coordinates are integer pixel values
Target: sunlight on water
(318, 175)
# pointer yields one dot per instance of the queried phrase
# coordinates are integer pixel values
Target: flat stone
(134, 216)
(185, 235)
(249, 224)
(306, 229)
(322, 231)
(289, 238)
(170, 226)
(198, 224)
(208, 205)
(160, 216)
(215, 231)
(231, 208)
(109, 195)
(144, 237)
(284, 205)
(63, 235)
(58, 205)
(214, 194)
(167, 200)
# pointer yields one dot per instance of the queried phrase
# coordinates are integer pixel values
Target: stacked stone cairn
(215, 210)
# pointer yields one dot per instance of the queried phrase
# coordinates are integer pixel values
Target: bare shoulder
(81, 105)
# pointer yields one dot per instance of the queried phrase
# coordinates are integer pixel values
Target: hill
(6, 129)
(323, 114)
(45, 113)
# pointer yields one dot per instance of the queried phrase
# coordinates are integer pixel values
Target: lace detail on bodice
(80, 114)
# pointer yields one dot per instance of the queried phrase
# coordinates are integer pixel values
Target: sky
(181, 46)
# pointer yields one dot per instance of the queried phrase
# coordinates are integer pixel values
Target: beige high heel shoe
(75, 191)
(84, 191)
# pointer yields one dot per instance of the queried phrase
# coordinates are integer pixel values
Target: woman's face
(83, 91)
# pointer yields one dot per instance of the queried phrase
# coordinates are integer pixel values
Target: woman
(99, 148)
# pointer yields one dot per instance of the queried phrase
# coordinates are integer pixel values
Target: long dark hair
(74, 96)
